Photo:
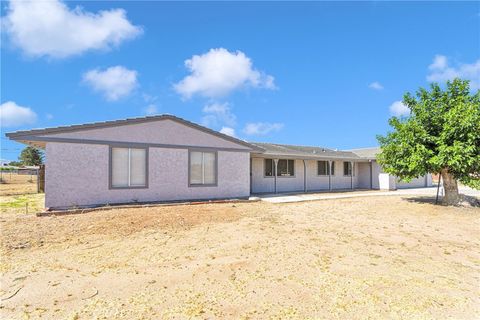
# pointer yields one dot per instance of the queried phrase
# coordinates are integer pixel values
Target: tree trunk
(450, 188)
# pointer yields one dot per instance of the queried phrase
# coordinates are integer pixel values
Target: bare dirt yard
(17, 184)
(358, 258)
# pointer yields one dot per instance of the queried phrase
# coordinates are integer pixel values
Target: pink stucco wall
(77, 175)
(161, 132)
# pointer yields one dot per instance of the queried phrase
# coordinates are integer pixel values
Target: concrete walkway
(298, 197)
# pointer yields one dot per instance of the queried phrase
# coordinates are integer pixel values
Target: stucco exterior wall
(160, 132)
(363, 181)
(78, 175)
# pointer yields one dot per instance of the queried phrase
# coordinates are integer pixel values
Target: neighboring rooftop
(369, 153)
(304, 151)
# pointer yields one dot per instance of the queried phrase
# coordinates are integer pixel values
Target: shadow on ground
(467, 201)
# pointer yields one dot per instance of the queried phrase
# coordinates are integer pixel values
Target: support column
(275, 162)
(329, 175)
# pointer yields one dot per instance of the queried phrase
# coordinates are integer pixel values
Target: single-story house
(166, 158)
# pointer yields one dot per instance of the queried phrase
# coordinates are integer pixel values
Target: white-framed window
(347, 168)
(128, 167)
(203, 168)
(323, 168)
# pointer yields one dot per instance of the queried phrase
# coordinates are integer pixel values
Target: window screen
(347, 168)
(268, 167)
(129, 167)
(203, 168)
(323, 169)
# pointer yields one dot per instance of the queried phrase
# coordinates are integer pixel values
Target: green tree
(31, 156)
(441, 135)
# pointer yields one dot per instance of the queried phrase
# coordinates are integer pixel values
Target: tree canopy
(442, 132)
(31, 156)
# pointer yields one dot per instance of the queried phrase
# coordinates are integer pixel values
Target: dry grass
(17, 184)
(377, 257)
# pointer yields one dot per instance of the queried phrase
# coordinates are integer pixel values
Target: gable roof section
(304, 151)
(24, 135)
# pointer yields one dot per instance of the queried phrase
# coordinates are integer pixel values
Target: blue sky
(310, 73)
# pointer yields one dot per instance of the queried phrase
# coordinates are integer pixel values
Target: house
(166, 158)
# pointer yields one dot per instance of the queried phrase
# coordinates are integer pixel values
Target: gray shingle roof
(369, 153)
(304, 151)
(96, 125)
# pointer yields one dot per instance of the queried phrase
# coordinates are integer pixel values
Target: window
(285, 168)
(203, 168)
(333, 168)
(323, 169)
(128, 167)
(269, 167)
(347, 168)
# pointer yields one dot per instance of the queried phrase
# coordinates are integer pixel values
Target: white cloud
(441, 71)
(50, 28)
(219, 72)
(151, 109)
(114, 83)
(398, 109)
(218, 113)
(13, 115)
(375, 86)
(262, 128)
(228, 131)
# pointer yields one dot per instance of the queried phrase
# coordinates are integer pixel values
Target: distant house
(4, 163)
(165, 158)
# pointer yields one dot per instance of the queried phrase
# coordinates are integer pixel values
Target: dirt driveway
(376, 257)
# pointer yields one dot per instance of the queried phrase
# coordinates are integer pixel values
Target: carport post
(275, 161)
(330, 175)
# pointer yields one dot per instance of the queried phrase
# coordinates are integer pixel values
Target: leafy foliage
(441, 132)
(31, 157)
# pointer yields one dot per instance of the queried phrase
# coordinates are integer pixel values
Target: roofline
(306, 156)
(17, 135)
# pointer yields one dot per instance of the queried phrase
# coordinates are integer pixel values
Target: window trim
(203, 150)
(294, 170)
(110, 167)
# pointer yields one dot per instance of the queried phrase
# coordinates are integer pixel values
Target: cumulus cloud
(13, 115)
(440, 71)
(398, 109)
(51, 28)
(114, 83)
(262, 128)
(219, 72)
(228, 131)
(375, 86)
(218, 113)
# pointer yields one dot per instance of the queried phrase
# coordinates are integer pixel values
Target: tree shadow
(466, 201)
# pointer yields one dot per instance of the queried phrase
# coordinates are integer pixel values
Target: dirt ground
(377, 257)
(17, 184)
